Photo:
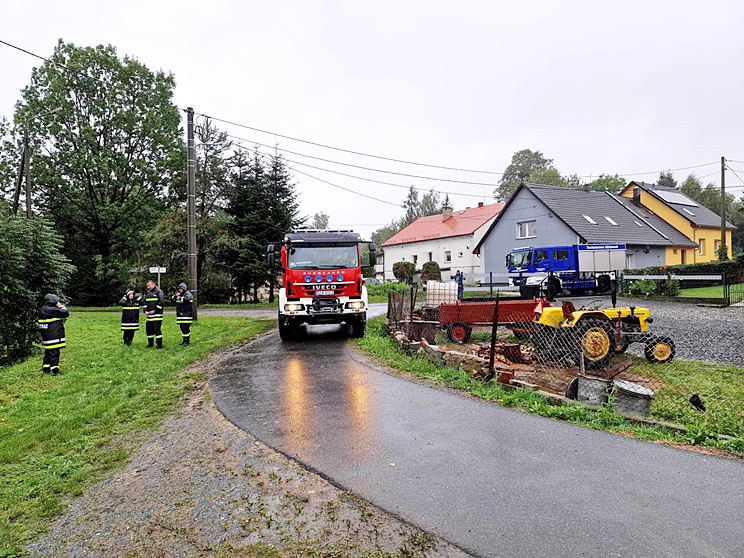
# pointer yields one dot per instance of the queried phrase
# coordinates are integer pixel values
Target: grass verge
(383, 349)
(58, 435)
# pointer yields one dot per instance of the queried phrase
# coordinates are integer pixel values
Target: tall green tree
(526, 166)
(320, 220)
(411, 205)
(429, 204)
(666, 178)
(446, 203)
(105, 159)
(608, 183)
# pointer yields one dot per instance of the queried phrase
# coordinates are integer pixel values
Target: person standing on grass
(130, 309)
(458, 277)
(52, 325)
(184, 312)
(154, 298)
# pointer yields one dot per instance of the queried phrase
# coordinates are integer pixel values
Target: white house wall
(460, 246)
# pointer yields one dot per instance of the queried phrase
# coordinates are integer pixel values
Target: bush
(368, 271)
(385, 288)
(672, 288)
(430, 272)
(404, 271)
(31, 266)
(644, 287)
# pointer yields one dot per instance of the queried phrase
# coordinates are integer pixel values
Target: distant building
(448, 239)
(539, 215)
(699, 224)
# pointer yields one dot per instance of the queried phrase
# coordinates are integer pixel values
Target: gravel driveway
(703, 333)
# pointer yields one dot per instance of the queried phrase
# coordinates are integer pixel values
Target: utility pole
(723, 203)
(27, 164)
(191, 205)
(19, 181)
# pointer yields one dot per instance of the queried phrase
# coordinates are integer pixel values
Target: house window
(540, 255)
(701, 248)
(674, 251)
(591, 221)
(414, 259)
(526, 229)
(560, 254)
(447, 256)
(639, 224)
(716, 245)
(611, 222)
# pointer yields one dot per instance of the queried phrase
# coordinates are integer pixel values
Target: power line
(349, 150)
(490, 184)
(736, 175)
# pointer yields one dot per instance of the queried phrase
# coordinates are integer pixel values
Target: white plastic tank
(440, 292)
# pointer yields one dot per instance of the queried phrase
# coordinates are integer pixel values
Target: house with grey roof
(699, 224)
(540, 215)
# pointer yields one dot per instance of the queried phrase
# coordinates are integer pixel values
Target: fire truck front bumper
(326, 310)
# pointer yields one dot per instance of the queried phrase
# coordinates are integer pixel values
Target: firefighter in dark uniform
(52, 326)
(154, 298)
(184, 311)
(130, 310)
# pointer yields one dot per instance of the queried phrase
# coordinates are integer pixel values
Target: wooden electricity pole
(191, 205)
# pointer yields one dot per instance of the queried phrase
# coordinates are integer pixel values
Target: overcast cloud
(600, 87)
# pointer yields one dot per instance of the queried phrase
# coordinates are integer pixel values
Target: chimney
(480, 204)
(446, 213)
(587, 188)
(636, 196)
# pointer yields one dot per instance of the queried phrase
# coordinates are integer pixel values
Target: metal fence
(595, 354)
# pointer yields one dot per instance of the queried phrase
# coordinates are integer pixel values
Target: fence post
(726, 293)
(494, 330)
(490, 283)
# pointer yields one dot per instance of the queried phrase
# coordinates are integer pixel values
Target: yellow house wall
(686, 228)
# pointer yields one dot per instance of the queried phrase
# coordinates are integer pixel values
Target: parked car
(372, 281)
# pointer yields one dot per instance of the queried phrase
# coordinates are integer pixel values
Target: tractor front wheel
(595, 342)
(660, 350)
(459, 332)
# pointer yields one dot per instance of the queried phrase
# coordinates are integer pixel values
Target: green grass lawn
(699, 428)
(58, 433)
(716, 291)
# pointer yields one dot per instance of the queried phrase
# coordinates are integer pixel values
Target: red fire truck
(321, 280)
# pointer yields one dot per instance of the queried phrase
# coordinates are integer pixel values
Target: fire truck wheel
(358, 328)
(287, 330)
(459, 332)
(660, 350)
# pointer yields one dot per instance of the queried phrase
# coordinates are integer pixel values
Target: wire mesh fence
(594, 354)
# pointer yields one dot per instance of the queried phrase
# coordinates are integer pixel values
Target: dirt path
(202, 487)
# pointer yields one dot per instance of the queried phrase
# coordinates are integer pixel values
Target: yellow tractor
(594, 334)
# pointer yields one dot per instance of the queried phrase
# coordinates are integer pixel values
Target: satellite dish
(646, 249)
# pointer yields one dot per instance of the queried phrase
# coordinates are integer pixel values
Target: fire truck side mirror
(271, 257)
(372, 254)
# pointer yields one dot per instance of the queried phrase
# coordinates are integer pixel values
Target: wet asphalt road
(494, 481)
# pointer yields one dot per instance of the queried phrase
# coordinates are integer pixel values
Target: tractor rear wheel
(660, 350)
(595, 343)
(459, 332)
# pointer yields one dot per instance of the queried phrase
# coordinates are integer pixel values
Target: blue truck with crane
(577, 268)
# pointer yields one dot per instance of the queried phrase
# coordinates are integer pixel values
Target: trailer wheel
(660, 350)
(459, 332)
(595, 341)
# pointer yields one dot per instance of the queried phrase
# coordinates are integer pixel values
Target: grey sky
(601, 87)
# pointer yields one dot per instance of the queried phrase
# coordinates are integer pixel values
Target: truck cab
(321, 280)
(577, 268)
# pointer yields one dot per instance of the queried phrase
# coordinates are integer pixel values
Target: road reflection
(298, 405)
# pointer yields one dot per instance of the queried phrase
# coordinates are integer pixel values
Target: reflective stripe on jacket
(184, 308)
(130, 310)
(51, 323)
(154, 303)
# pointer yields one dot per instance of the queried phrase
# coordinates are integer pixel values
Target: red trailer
(458, 319)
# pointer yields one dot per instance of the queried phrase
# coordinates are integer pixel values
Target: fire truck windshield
(323, 257)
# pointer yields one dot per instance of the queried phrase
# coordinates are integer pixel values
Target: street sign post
(157, 270)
